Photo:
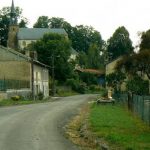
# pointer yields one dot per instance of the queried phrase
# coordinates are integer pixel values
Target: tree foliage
(4, 22)
(84, 36)
(115, 79)
(42, 22)
(58, 47)
(145, 40)
(138, 86)
(135, 63)
(120, 43)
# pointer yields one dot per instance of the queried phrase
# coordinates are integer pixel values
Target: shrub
(40, 95)
(138, 86)
(16, 98)
(77, 86)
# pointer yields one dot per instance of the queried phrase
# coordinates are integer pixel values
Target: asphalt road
(38, 126)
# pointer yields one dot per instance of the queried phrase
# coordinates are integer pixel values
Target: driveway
(38, 126)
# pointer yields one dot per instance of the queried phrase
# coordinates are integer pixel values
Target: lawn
(119, 128)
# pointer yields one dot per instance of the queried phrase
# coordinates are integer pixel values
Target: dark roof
(36, 33)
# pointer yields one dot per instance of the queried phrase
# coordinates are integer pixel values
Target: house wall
(24, 43)
(41, 80)
(15, 70)
(110, 67)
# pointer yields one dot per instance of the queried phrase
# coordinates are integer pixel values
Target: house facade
(21, 75)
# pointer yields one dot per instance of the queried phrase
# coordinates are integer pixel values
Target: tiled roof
(92, 71)
(36, 33)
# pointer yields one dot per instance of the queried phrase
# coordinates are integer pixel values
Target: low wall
(25, 93)
(3, 95)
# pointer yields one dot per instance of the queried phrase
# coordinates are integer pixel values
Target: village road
(38, 126)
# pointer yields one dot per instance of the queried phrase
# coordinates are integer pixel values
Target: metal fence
(13, 84)
(139, 105)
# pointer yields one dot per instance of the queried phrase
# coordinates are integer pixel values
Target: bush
(40, 95)
(16, 98)
(95, 88)
(104, 92)
(138, 86)
(77, 86)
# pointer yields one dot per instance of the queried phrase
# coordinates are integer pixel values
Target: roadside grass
(10, 102)
(118, 127)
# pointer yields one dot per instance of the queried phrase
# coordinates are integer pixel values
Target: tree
(84, 36)
(93, 56)
(57, 47)
(4, 22)
(23, 23)
(119, 44)
(42, 22)
(56, 22)
(135, 63)
(115, 79)
(145, 40)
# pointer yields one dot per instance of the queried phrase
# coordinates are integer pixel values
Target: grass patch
(119, 127)
(10, 102)
(63, 93)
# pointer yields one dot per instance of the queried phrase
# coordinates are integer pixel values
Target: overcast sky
(104, 15)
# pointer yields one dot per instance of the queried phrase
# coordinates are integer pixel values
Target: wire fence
(13, 84)
(139, 105)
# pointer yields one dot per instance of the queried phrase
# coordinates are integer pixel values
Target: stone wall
(15, 70)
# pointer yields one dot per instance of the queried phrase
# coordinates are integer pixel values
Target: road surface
(38, 126)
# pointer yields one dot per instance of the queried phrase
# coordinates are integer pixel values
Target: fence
(13, 84)
(139, 105)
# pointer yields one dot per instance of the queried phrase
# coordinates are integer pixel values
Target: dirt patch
(78, 131)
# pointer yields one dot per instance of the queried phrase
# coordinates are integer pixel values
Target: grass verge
(119, 128)
(10, 102)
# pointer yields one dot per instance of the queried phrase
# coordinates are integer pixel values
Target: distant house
(21, 75)
(100, 74)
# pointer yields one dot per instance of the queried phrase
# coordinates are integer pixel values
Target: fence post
(142, 98)
(149, 114)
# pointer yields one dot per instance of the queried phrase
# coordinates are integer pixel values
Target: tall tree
(94, 57)
(5, 20)
(56, 22)
(145, 40)
(57, 47)
(83, 36)
(120, 43)
(42, 22)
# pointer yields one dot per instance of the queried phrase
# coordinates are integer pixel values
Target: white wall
(41, 80)
(24, 43)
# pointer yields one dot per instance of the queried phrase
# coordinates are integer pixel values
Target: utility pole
(32, 79)
(53, 76)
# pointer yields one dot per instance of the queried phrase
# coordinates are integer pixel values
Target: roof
(24, 57)
(92, 71)
(36, 33)
(73, 51)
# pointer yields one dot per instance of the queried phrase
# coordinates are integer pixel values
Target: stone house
(21, 75)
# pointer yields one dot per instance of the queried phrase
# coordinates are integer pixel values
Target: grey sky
(104, 15)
